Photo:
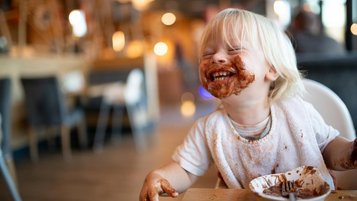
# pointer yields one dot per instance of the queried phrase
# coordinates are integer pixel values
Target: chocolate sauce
(237, 79)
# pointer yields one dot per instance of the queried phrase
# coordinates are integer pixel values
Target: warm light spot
(78, 21)
(282, 9)
(141, 4)
(168, 19)
(135, 49)
(124, 1)
(354, 29)
(118, 41)
(160, 48)
(188, 108)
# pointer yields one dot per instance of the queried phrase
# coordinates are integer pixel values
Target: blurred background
(96, 93)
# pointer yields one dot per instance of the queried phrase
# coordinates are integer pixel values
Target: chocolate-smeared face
(223, 79)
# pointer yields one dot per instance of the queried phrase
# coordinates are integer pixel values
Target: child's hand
(154, 186)
(354, 153)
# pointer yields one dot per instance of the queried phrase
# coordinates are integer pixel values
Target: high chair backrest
(330, 106)
(336, 114)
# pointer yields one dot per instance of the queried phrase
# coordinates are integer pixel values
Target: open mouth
(221, 75)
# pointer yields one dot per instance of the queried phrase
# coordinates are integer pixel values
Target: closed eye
(207, 54)
(235, 49)
(208, 51)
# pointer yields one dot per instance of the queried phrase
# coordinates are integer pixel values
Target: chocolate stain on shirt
(301, 134)
(273, 171)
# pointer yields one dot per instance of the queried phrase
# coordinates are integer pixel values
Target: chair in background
(5, 112)
(9, 180)
(335, 113)
(6, 162)
(130, 96)
(47, 109)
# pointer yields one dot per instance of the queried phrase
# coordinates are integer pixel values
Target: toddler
(263, 125)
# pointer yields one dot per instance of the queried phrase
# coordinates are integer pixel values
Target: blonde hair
(261, 32)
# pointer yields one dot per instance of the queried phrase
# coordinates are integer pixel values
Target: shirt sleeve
(193, 154)
(324, 133)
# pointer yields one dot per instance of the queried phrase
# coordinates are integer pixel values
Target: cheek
(244, 67)
(256, 67)
(203, 67)
(244, 64)
(237, 61)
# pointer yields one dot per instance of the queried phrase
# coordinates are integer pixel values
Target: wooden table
(205, 194)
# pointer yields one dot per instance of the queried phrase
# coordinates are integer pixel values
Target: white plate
(307, 179)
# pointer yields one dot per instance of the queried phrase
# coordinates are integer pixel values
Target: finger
(167, 188)
(153, 195)
(354, 151)
(141, 197)
(143, 194)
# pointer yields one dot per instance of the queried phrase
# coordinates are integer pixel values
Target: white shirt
(297, 137)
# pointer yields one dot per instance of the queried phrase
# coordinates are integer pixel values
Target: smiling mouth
(221, 75)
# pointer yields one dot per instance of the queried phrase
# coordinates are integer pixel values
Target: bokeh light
(77, 20)
(168, 19)
(354, 29)
(160, 48)
(188, 108)
(118, 41)
(282, 9)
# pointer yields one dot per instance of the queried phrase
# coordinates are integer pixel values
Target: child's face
(226, 70)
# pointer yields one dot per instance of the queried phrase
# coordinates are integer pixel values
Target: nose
(220, 57)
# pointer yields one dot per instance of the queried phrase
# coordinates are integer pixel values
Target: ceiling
(196, 8)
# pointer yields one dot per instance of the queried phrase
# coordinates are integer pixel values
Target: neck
(247, 112)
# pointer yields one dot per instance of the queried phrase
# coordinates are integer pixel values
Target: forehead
(221, 40)
(222, 31)
(230, 31)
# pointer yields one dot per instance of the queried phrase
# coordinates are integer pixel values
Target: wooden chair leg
(140, 142)
(50, 135)
(99, 136)
(33, 144)
(66, 142)
(82, 134)
(117, 120)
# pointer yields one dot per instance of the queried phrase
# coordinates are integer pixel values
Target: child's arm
(341, 154)
(169, 179)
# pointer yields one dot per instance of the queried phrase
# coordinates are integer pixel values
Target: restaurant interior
(121, 87)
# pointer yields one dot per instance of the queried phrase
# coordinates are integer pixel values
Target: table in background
(205, 194)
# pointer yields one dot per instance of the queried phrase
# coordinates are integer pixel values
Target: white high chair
(336, 114)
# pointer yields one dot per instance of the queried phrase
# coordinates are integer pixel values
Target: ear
(271, 74)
